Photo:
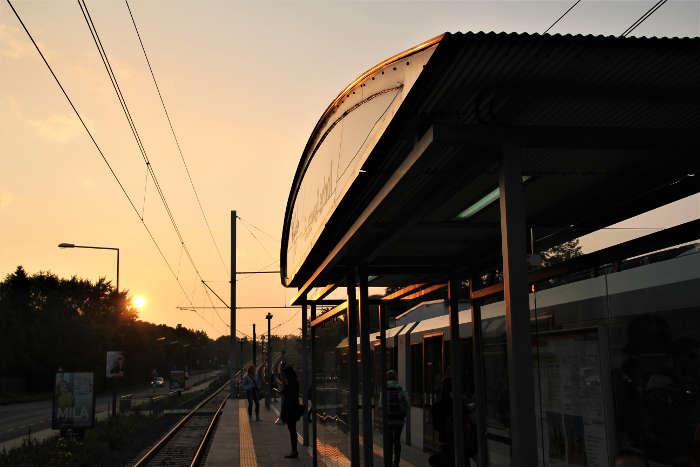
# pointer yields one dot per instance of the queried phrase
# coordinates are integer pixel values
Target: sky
(244, 83)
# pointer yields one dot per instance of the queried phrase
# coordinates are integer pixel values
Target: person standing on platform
(250, 387)
(291, 410)
(396, 407)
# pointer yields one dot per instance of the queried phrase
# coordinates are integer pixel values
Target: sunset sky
(245, 83)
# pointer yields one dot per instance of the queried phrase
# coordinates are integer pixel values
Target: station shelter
(444, 177)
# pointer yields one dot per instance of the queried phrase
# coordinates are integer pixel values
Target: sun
(139, 302)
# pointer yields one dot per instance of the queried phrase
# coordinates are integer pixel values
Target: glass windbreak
(332, 391)
(493, 328)
(654, 345)
(617, 364)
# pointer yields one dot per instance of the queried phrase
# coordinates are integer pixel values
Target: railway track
(185, 443)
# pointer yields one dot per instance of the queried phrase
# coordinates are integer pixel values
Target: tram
(605, 342)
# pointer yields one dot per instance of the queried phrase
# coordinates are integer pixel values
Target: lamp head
(66, 245)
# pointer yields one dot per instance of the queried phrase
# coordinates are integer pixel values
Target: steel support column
(456, 372)
(381, 310)
(367, 386)
(354, 375)
(314, 432)
(306, 383)
(479, 378)
(513, 245)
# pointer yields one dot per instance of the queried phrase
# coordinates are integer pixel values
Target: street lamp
(71, 245)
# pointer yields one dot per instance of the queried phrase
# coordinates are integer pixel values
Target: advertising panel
(73, 401)
(573, 403)
(115, 364)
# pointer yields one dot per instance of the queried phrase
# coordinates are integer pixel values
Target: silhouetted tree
(564, 252)
(47, 322)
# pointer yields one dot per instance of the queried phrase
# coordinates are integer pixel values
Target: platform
(238, 441)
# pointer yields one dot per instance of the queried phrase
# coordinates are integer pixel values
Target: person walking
(396, 407)
(250, 386)
(290, 407)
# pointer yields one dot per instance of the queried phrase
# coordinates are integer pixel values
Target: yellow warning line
(247, 449)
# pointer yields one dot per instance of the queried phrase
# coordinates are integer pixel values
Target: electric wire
(562, 16)
(287, 320)
(256, 228)
(262, 245)
(103, 156)
(643, 18)
(177, 141)
(122, 100)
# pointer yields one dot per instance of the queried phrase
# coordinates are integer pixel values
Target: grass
(107, 444)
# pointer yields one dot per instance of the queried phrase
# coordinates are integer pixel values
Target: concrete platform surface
(240, 441)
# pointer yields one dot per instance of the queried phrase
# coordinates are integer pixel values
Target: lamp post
(71, 245)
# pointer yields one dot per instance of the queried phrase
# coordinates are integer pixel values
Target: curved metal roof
(585, 110)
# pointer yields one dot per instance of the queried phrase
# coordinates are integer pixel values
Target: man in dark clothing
(290, 407)
(396, 407)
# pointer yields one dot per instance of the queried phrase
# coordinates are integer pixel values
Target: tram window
(467, 365)
(416, 393)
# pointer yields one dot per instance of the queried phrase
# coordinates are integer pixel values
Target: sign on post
(115, 364)
(73, 401)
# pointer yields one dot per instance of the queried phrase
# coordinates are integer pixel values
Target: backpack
(395, 405)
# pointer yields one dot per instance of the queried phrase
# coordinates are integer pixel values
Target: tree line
(47, 323)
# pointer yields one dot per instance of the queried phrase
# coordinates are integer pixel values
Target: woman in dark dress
(290, 407)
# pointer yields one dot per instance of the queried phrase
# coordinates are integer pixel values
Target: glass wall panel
(654, 342)
(617, 363)
(493, 330)
(332, 391)
(571, 384)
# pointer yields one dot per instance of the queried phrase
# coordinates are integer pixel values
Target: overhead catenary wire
(226, 305)
(245, 221)
(643, 18)
(104, 157)
(149, 166)
(287, 320)
(177, 141)
(262, 245)
(562, 16)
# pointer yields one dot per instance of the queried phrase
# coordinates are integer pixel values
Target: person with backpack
(396, 408)
(252, 392)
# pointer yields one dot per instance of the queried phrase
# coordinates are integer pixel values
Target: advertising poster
(570, 401)
(73, 401)
(115, 364)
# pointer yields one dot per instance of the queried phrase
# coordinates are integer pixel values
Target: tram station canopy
(401, 171)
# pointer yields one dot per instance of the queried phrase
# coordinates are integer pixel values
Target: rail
(180, 424)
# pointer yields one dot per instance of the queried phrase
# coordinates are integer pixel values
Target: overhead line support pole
(232, 344)
(268, 393)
